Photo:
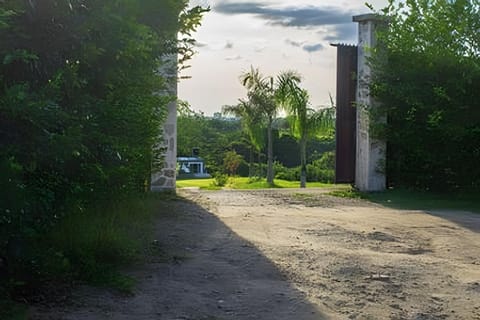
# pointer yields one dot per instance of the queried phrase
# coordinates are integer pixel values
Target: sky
(272, 35)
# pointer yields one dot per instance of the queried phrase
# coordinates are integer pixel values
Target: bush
(220, 179)
(320, 170)
(426, 80)
(284, 173)
(323, 169)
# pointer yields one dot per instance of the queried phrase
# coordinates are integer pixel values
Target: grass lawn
(245, 184)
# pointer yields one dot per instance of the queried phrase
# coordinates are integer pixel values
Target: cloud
(313, 47)
(259, 49)
(233, 58)
(344, 32)
(294, 43)
(305, 16)
(305, 47)
(229, 45)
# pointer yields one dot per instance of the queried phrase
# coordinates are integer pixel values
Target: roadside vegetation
(78, 126)
(426, 78)
(257, 144)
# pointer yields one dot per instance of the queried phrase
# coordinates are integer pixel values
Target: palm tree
(304, 121)
(252, 124)
(261, 94)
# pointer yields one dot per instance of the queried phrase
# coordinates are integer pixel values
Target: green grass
(245, 183)
(12, 311)
(207, 184)
(416, 200)
(88, 246)
(95, 243)
(347, 192)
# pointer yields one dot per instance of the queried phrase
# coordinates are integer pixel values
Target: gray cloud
(307, 16)
(344, 32)
(293, 43)
(313, 47)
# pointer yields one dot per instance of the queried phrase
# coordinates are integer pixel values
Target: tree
(78, 111)
(427, 82)
(231, 162)
(261, 94)
(304, 121)
(252, 124)
(212, 136)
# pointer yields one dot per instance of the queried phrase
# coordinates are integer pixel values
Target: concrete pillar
(164, 178)
(370, 152)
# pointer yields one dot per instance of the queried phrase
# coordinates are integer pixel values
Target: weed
(347, 193)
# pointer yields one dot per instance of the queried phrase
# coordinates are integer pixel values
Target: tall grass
(90, 246)
(97, 241)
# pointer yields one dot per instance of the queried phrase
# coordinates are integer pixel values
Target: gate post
(345, 123)
(164, 178)
(370, 152)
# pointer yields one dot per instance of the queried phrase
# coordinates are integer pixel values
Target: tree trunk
(303, 163)
(270, 153)
(250, 165)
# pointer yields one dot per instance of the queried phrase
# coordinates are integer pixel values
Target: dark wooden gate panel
(346, 121)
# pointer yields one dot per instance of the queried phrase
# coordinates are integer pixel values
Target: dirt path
(291, 254)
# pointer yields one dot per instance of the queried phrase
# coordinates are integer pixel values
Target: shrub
(284, 173)
(220, 179)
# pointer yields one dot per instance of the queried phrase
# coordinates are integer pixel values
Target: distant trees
(304, 121)
(265, 97)
(231, 162)
(427, 80)
(261, 94)
(214, 137)
(252, 124)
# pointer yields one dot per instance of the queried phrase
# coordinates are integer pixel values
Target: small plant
(220, 179)
(347, 193)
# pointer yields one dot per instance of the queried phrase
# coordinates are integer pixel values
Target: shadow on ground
(463, 210)
(201, 270)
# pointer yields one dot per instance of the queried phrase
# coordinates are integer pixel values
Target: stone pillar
(164, 179)
(370, 152)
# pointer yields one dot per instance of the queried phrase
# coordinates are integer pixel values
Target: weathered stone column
(370, 152)
(164, 179)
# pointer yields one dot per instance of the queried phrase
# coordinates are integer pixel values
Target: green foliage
(347, 193)
(319, 170)
(323, 169)
(284, 173)
(304, 122)
(261, 98)
(231, 162)
(78, 124)
(12, 311)
(220, 179)
(427, 81)
(212, 136)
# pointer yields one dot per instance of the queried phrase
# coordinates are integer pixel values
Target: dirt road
(297, 254)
